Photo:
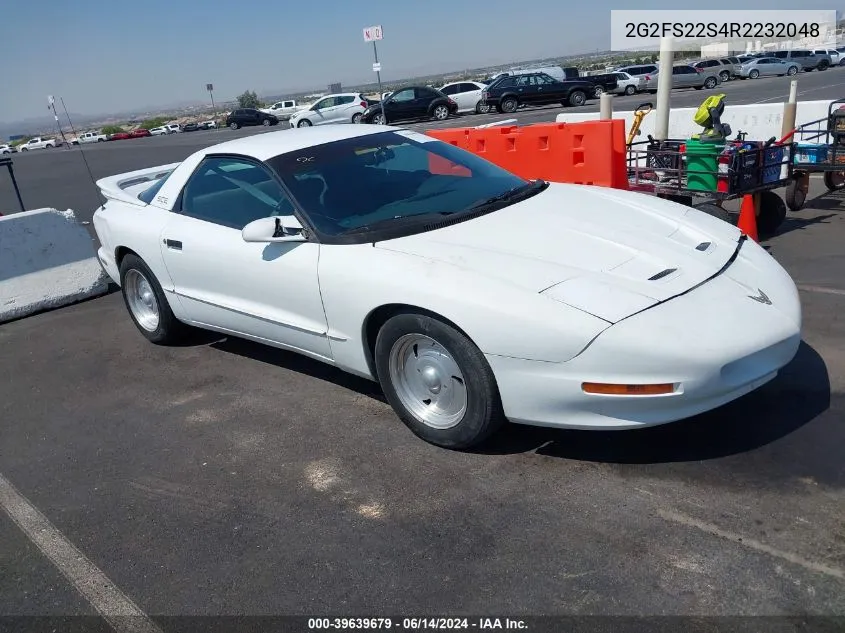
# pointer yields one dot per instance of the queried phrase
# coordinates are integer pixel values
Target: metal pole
(378, 76)
(59, 125)
(605, 107)
(664, 89)
(214, 108)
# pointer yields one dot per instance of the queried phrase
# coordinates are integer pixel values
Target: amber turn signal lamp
(627, 390)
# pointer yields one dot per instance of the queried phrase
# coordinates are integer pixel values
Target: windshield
(351, 184)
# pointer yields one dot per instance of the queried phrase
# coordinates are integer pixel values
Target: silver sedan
(685, 76)
(767, 67)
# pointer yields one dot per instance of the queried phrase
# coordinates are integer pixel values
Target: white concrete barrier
(761, 121)
(47, 260)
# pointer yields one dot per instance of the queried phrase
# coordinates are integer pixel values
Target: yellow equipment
(709, 116)
(639, 114)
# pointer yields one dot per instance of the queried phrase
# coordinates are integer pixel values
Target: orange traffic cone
(748, 218)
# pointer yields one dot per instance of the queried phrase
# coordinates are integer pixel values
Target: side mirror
(274, 229)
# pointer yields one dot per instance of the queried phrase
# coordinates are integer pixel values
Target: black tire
(795, 195)
(710, 83)
(440, 112)
(772, 213)
(378, 119)
(482, 108)
(234, 125)
(101, 140)
(169, 329)
(266, 123)
(483, 414)
(356, 118)
(715, 210)
(725, 76)
(577, 98)
(753, 73)
(304, 123)
(792, 71)
(834, 180)
(509, 104)
(598, 92)
(823, 65)
(630, 90)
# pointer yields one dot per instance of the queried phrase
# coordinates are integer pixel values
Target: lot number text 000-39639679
(694, 28)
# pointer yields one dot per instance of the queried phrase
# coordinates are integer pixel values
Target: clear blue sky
(113, 55)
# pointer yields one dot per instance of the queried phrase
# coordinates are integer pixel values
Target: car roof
(270, 144)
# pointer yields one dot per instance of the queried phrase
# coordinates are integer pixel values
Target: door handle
(173, 244)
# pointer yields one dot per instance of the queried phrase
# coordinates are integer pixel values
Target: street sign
(377, 67)
(50, 101)
(209, 87)
(373, 33)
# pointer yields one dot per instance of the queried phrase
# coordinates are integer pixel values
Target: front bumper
(715, 343)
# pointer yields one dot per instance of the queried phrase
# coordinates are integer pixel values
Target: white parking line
(821, 289)
(117, 608)
(800, 94)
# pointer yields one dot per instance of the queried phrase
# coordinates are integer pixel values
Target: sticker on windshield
(416, 136)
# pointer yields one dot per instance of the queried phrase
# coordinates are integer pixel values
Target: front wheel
(598, 92)
(823, 65)
(509, 105)
(792, 71)
(437, 381)
(304, 123)
(234, 126)
(724, 75)
(577, 98)
(379, 119)
(146, 302)
(755, 73)
(266, 123)
(630, 90)
(482, 108)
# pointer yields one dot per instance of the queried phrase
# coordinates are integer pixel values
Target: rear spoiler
(113, 187)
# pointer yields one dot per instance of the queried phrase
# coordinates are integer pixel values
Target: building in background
(333, 88)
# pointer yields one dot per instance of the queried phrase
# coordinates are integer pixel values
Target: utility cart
(704, 174)
(819, 148)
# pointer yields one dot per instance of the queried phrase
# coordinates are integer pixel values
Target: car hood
(607, 252)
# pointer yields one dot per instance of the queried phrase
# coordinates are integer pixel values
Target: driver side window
(403, 95)
(233, 192)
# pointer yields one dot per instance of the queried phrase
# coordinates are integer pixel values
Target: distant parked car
(208, 125)
(139, 133)
(808, 60)
(685, 76)
(190, 127)
(347, 107)
(173, 128)
(639, 70)
(250, 116)
(119, 136)
(605, 82)
(413, 102)
(159, 131)
(467, 94)
(628, 84)
(7, 149)
(767, 67)
(508, 93)
(836, 57)
(725, 67)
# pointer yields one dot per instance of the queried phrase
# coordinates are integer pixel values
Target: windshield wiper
(512, 195)
(387, 221)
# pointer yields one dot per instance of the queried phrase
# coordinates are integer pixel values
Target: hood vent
(662, 274)
(703, 246)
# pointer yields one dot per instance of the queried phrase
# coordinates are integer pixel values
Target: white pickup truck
(90, 137)
(283, 110)
(37, 143)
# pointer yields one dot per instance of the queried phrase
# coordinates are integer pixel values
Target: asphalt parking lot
(223, 478)
(60, 177)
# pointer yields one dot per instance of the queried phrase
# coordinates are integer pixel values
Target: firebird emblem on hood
(761, 298)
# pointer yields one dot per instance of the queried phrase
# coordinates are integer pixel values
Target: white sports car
(471, 295)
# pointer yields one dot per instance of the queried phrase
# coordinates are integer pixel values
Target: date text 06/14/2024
(415, 624)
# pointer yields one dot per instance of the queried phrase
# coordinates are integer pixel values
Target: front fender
(501, 318)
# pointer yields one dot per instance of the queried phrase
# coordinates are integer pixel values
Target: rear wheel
(724, 75)
(630, 90)
(834, 180)
(792, 71)
(772, 213)
(440, 113)
(823, 65)
(146, 302)
(234, 125)
(715, 210)
(509, 105)
(437, 381)
(710, 83)
(482, 108)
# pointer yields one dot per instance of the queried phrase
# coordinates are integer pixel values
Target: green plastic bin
(702, 164)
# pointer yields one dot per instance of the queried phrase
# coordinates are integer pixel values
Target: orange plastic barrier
(588, 153)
